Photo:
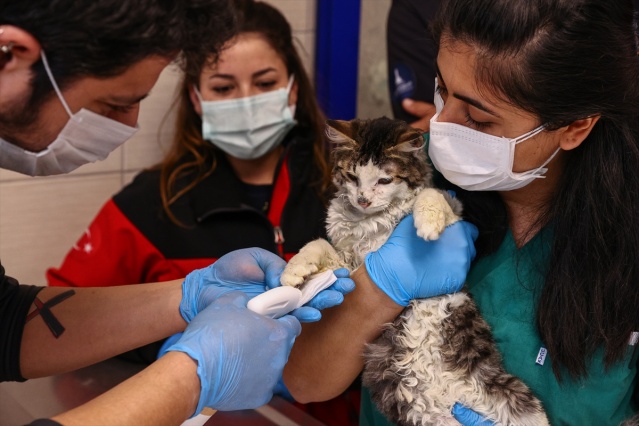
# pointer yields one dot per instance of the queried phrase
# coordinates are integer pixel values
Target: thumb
(291, 325)
(272, 265)
(470, 229)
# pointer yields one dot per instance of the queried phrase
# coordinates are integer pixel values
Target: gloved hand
(332, 296)
(468, 417)
(407, 267)
(252, 271)
(240, 355)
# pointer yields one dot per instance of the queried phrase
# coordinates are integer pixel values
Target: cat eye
(385, 181)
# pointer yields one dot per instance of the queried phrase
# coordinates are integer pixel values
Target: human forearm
(99, 323)
(165, 393)
(327, 356)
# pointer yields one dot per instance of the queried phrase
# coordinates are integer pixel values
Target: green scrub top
(505, 286)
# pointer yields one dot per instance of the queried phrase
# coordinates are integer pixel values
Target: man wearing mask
(72, 75)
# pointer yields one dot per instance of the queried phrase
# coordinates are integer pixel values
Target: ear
(195, 100)
(292, 96)
(23, 49)
(575, 133)
(411, 140)
(340, 132)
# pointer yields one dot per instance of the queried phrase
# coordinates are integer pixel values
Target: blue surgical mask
(249, 127)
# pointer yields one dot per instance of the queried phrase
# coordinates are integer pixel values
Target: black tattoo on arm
(44, 310)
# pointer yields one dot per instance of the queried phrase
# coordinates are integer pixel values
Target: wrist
(385, 305)
(394, 292)
(184, 369)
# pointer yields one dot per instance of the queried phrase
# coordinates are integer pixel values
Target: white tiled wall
(41, 218)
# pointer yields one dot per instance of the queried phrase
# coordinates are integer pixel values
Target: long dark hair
(200, 155)
(565, 60)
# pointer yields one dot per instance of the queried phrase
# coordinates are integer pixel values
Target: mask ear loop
(525, 137)
(528, 135)
(197, 93)
(289, 86)
(54, 84)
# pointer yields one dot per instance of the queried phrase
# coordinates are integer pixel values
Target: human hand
(247, 270)
(423, 110)
(252, 271)
(332, 296)
(240, 355)
(407, 267)
(468, 417)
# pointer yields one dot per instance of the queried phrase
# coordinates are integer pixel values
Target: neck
(260, 171)
(526, 205)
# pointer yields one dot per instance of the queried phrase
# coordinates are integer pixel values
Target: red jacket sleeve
(111, 252)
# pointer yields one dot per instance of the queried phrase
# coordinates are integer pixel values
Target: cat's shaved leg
(433, 211)
(316, 256)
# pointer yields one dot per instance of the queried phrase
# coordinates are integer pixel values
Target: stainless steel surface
(21, 403)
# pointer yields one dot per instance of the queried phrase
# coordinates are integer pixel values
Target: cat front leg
(433, 211)
(316, 256)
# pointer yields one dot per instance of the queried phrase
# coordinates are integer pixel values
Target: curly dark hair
(102, 38)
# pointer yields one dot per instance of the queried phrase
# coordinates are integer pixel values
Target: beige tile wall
(41, 218)
(373, 99)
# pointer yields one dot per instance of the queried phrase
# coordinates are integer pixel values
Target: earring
(7, 47)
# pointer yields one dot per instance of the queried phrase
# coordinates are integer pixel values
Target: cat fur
(439, 351)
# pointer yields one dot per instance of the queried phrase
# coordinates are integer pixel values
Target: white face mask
(249, 127)
(86, 138)
(478, 161)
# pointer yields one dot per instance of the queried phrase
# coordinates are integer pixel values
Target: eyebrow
(126, 100)
(466, 99)
(254, 75)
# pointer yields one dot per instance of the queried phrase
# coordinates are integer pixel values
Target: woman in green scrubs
(537, 129)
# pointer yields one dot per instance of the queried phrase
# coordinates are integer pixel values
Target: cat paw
(430, 229)
(432, 213)
(316, 256)
(295, 273)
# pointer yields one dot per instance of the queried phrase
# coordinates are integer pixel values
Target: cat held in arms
(439, 350)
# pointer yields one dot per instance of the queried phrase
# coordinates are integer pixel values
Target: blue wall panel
(336, 62)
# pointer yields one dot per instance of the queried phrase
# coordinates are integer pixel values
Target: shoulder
(144, 187)
(140, 196)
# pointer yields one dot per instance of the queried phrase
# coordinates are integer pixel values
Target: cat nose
(363, 202)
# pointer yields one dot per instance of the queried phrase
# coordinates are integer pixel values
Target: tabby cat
(439, 351)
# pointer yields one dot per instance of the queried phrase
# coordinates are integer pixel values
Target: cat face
(377, 162)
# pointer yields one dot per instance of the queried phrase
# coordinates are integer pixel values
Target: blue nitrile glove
(170, 341)
(282, 391)
(468, 417)
(406, 267)
(252, 271)
(240, 355)
(332, 296)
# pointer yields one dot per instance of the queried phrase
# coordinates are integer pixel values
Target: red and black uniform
(132, 240)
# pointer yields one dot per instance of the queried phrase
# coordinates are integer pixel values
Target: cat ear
(340, 131)
(411, 140)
